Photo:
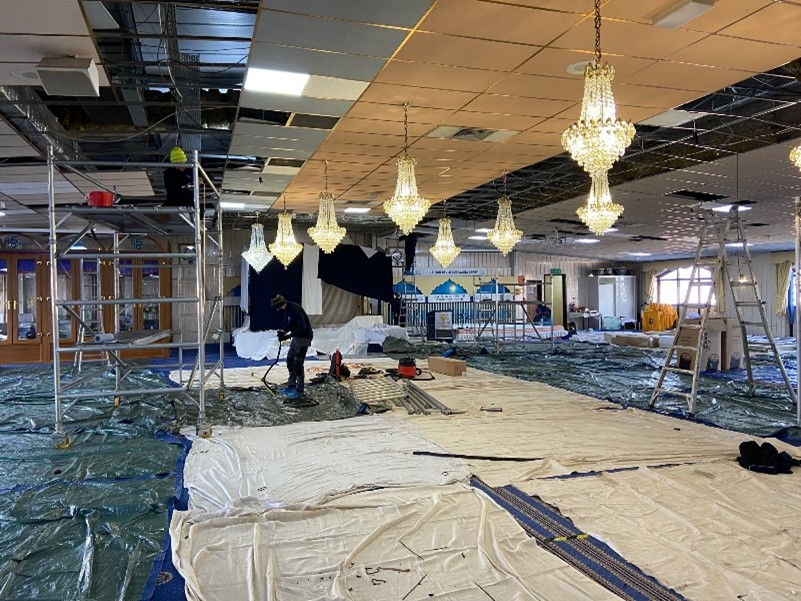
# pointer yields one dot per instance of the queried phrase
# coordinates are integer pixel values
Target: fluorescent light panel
(477, 238)
(727, 208)
(483, 230)
(357, 210)
(225, 204)
(639, 254)
(586, 240)
(275, 82)
(682, 13)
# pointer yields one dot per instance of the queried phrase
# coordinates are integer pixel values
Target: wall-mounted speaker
(69, 76)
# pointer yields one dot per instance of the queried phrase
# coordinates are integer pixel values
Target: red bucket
(100, 198)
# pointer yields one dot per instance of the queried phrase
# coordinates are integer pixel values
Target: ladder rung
(690, 326)
(740, 303)
(680, 370)
(742, 282)
(669, 391)
(751, 323)
(684, 348)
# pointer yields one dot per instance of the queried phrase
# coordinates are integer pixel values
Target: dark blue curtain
(349, 268)
(273, 279)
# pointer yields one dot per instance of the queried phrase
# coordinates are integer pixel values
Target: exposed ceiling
(173, 72)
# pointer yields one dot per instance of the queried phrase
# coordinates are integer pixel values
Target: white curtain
(312, 285)
(784, 271)
(650, 285)
(244, 271)
(720, 289)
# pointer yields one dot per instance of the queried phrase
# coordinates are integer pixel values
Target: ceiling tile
(574, 6)
(554, 62)
(535, 86)
(684, 76)
(515, 105)
(644, 96)
(47, 17)
(398, 14)
(762, 26)
(628, 39)
(736, 53)
(491, 120)
(464, 52)
(314, 62)
(723, 13)
(294, 104)
(388, 112)
(370, 126)
(437, 76)
(492, 21)
(420, 97)
(327, 34)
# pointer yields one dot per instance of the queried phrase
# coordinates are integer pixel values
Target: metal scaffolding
(107, 348)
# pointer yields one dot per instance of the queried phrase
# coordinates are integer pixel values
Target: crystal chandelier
(257, 255)
(406, 207)
(600, 213)
(598, 138)
(504, 235)
(445, 251)
(285, 248)
(327, 233)
(795, 156)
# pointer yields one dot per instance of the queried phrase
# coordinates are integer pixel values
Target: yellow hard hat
(177, 155)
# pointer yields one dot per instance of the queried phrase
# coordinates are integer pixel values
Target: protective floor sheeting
(666, 493)
(445, 543)
(310, 462)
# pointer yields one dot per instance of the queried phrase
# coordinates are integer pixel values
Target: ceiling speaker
(69, 76)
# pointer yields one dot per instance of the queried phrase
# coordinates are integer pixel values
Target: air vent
(276, 162)
(472, 134)
(753, 225)
(263, 116)
(699, 196)
(313, 121)
(567, 221)
(642, 238)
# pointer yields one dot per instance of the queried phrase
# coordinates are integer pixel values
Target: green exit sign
(556, 271)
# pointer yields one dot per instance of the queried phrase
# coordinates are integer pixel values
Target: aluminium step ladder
(684, 355)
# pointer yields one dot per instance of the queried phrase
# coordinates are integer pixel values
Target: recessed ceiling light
(276, 82)
(578, 68)
(639, 254)
(611, 230)
(727, 208)
(224, 204)
(483, 230)
(477, 238)
(587, 240)
(357, 210)
(737, 244)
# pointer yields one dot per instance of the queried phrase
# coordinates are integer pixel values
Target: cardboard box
(638, 341)
(732, 354)
(444, 365)
(711, 346)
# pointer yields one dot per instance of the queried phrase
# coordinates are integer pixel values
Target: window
(671, 286)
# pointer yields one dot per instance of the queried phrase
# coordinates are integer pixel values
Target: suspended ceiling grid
(502, 65)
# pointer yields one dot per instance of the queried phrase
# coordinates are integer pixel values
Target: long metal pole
(61, 439)
(797, 325)
(200, 265)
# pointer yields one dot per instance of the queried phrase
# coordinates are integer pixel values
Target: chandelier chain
(598, 31)
(325, 162)
(405, 128)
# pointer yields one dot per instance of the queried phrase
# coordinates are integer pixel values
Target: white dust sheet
(309, 462)
(427, 543)
(683, 510)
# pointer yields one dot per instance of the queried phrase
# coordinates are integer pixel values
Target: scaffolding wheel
(203, 429)
(61, 440)
(117, 401)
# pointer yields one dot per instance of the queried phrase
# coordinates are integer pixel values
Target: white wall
(534, 266)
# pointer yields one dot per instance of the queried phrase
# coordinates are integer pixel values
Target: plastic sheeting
(444, 543)
(84, 522)
(308, 462)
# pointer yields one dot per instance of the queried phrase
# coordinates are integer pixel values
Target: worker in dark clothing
(178, 181)
(298, 328)
(396, 306)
